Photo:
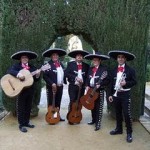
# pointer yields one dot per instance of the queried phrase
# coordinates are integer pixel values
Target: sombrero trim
(48, 53)
(91, 56)
(114, 54)
(18, 55)
(75, 52)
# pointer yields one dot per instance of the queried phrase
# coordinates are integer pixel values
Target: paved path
(67, 137)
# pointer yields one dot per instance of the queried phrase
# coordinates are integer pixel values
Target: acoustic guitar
(91, 96)
(53, 115)
(75, 115)
(12, 86)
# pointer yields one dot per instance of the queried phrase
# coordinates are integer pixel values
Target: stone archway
(74, 43)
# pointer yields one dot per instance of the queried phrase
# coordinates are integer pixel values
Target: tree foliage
(105, 25)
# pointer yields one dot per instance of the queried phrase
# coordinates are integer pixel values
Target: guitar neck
(34, 72)
(95, 88)
(43, 68)
(93, 91)
(78, 95)
(53, 103)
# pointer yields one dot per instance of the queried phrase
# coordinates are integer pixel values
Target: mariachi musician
(122, 79)
(24, 99)
(94, 74)
(76, 72)
(54, 77)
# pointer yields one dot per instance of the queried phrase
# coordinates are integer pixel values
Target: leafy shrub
(148, 73)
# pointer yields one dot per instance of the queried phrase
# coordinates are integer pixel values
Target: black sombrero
(96, 55)
(29, 54)
(49, 52)
(73, 53)
(114, 53)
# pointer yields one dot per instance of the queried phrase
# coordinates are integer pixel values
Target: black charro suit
(99, 72)
(97, 112)
(122, 101)
(24, 99)
(50, 77)
(130, 78)
(71, 74)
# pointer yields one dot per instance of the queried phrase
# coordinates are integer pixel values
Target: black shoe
(30, 125)
(116, 131)
(91, 123)
(97, 128)
(129, 138)
(22, 129)
(62, 119)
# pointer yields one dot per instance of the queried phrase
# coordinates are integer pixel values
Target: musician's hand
(38, 72)
(54, 87)
(122, 83)
(97, 86)
(79, 80)
(86, 89)
(20, 76)
(110, 98)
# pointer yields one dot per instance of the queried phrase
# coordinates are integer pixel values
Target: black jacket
(14, 70)
(50, 76)
(130, 78)
(72, 69)
(99, 73)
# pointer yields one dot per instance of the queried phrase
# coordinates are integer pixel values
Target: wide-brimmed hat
(96, 55)
(73, 53)
(29, 54)
(49, 52)
(114, 53)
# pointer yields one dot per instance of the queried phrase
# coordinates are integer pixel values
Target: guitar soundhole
(91, 96)
(53, 111)
(76, 116)
(87, 102)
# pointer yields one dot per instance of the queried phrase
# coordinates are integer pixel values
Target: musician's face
(54, 57)
(121, 59)
(24, 59)
(96, 62)
(79, 58)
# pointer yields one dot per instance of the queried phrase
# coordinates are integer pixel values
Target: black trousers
(73, 93)
(23, 105)
(122, 106)
(58, 95)
(97, 112)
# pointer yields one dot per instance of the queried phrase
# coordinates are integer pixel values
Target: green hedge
(148, 73)
(105, 25)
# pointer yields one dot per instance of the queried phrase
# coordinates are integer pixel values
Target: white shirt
(60, 75)
(119, 78)
(92, 80)
(80, 72)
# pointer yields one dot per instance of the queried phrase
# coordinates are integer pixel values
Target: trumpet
(118, 86)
